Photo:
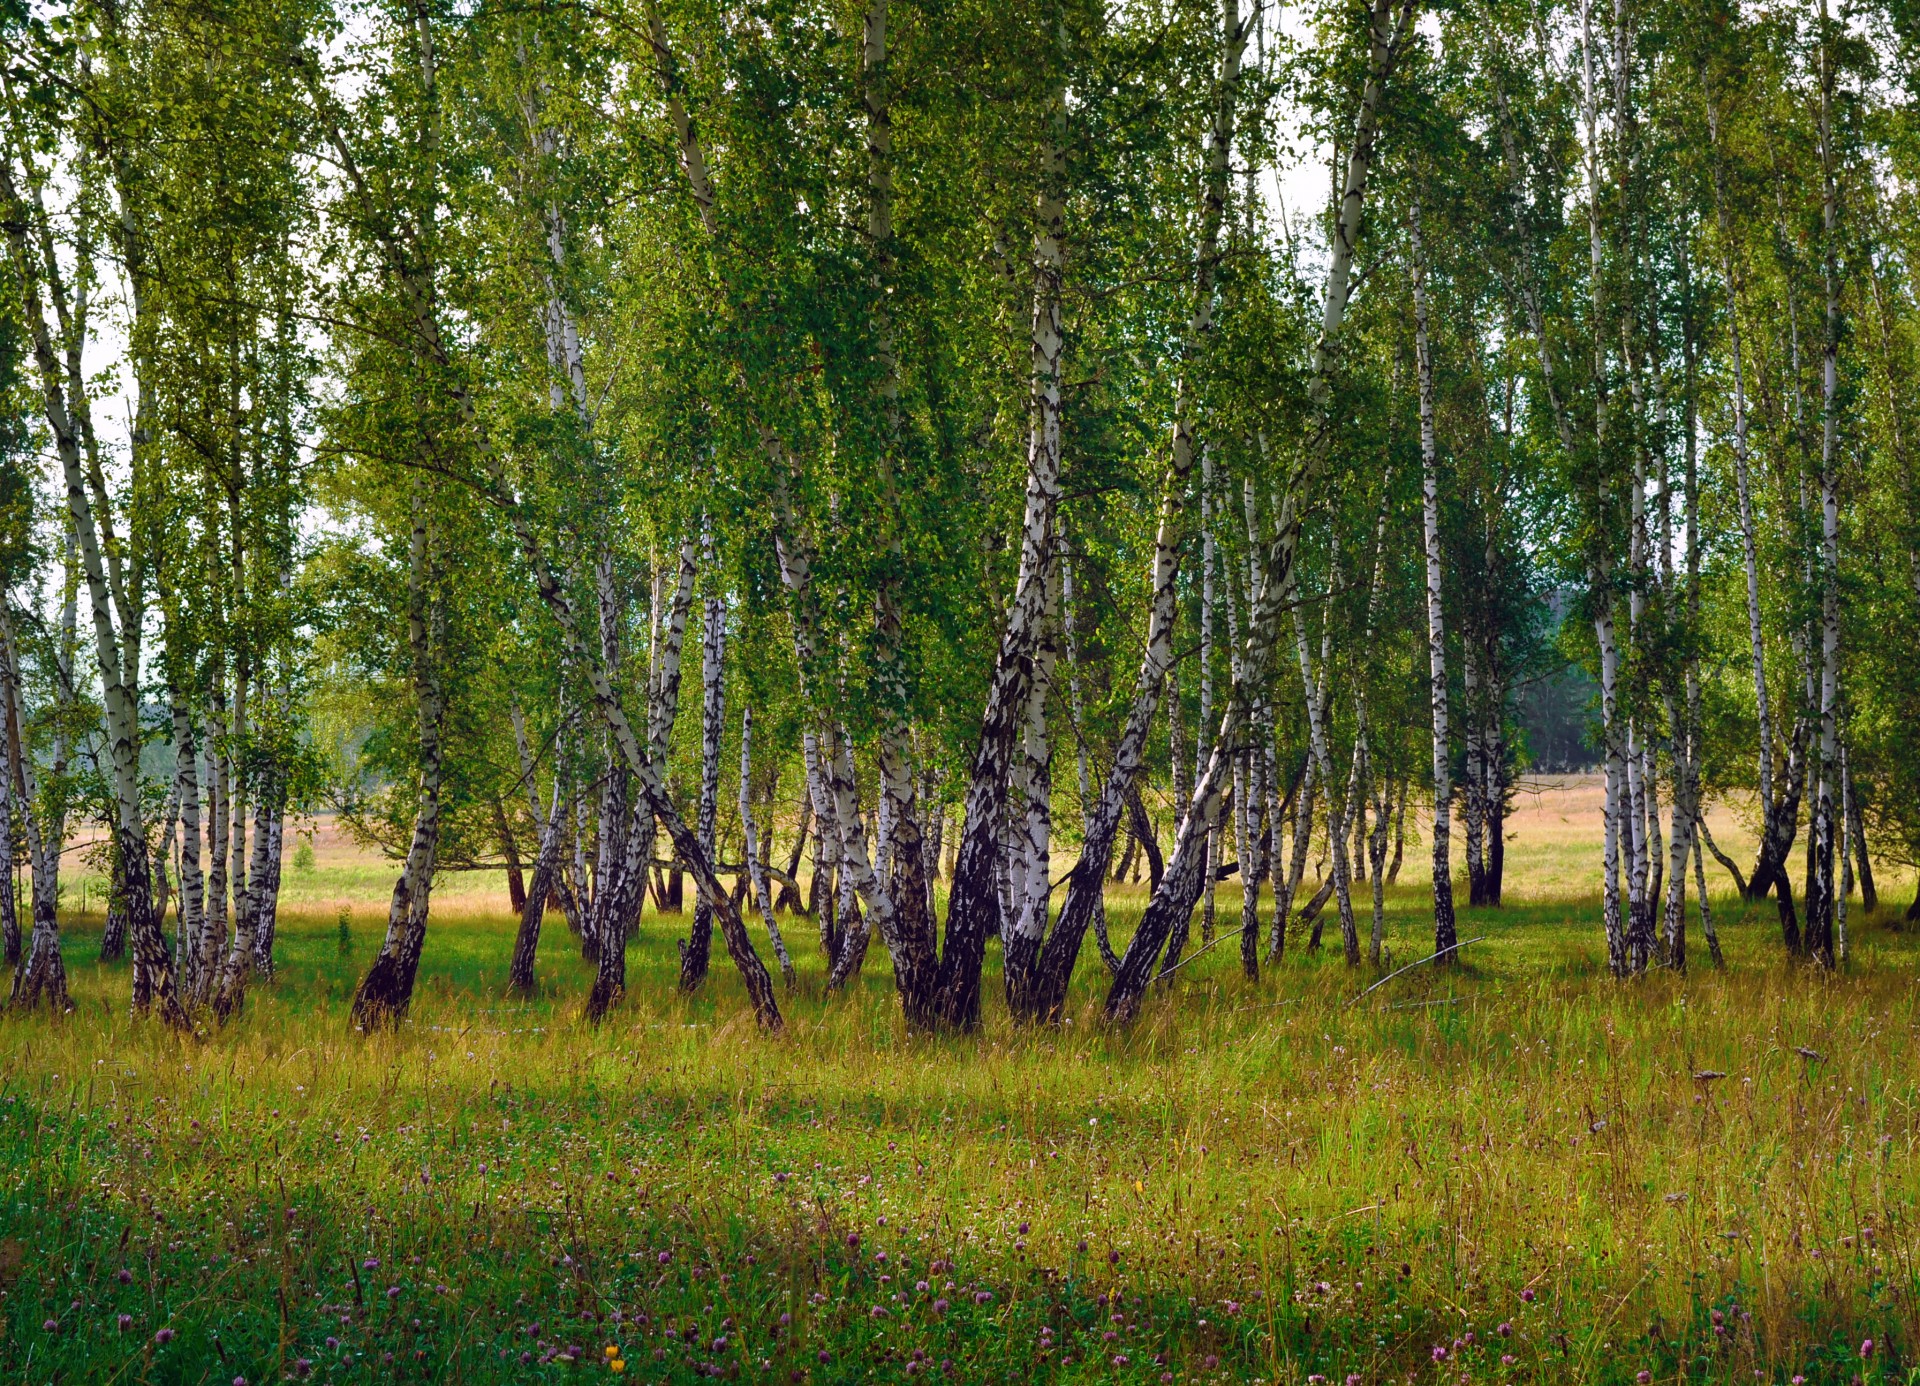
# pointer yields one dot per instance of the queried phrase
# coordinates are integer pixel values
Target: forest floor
(1515, 1169)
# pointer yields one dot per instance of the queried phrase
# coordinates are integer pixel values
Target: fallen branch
(1450, 948)
(1217, 939)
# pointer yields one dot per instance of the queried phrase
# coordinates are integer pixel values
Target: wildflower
(1211, 1362)
(241, 1380)
(720, 1344)
(616, 1365)
(1024, 1229)
(1113, 1258)
(880, 1256)
(1643, 1377)
(302, 1366)
(986, 1297)
(1507, 1359)
(393, 1292)
(1866, 1348)
(1439, 1354)
(124, 1276)
(370, 1264)
(1119, 1359)
(51, 1325)
(1505, 1330)
(1526, 1296)
(665, 1257)
(163, 1336)
(920, 1287)
(1233, 1306)
(333, 1344)
(126, 1322)
(939, 1306)
(878, 1312)
(825, 1356)
(853, 1239)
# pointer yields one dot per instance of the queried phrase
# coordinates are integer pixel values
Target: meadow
(1514, 1169)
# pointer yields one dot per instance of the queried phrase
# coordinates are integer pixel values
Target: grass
(1512, 1163)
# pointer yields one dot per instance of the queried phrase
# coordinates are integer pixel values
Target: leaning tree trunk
(1208, 605)
(752, 844)
(1445, 936)
(550, 824)
(115, 652)
(618, 906)
(414, 272)
(697, 951)
(972, 904)
(521, 978)
(231, 996)
(1030, 812)
(1181, 884)
(1077, 710)
(385, 993)
(1040, 991)
(1323, 761)
(41, 975)
(113, 933)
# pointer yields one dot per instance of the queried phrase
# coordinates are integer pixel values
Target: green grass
(1263, 1181)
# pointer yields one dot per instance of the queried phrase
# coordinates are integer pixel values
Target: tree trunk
(972, 906)
(266, 893)
(510, 850)
(699, 946)
(213, 931)
(230, 999)
(1824, 941)
(1323, 761)
(1031, 807)
(192, 913)
(752, 844)
(42, 974)
(385, 993)
(1444, 933)
(116, 653)
(113, 932)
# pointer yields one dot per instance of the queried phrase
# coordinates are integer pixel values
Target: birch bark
(1045, 996)
(713, 716)
(1387, 33)
(752, 844)
(385, 993)
(1444, 933)
(64, 404)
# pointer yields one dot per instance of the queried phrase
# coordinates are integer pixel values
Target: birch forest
(946, 544)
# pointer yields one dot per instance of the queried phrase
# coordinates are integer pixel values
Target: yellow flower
(617, 1365)
(612, 1352)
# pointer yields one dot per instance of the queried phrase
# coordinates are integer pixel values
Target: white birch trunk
(1444, 934)
(752, 842)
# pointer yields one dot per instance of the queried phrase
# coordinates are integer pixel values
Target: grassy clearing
(1260, 1182)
